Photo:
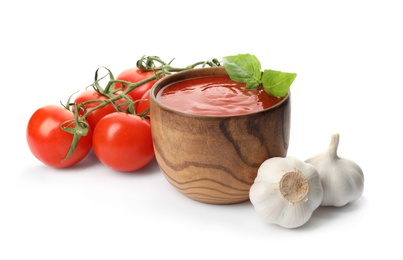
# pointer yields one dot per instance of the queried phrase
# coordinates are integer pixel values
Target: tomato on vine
(50, 144)
(144, 104)
(123, 142)
(134, 75)
(91, 99)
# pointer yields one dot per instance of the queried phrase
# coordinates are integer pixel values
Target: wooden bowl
(214, 159)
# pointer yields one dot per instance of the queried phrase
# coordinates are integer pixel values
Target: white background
(348, 57)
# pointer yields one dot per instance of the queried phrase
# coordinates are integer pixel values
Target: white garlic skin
(269, 202)
(342, 179)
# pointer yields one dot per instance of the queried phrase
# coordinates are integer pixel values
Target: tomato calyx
(78, 128)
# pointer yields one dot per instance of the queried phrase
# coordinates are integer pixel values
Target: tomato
(99, 113)
(134, 75)
(144, 103)
(123, 142)
(49, 143)
(96, 115)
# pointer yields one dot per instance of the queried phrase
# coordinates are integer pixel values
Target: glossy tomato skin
(144, 103)
(94, 117)
(49, 143)
(123, 142)
(134, 75)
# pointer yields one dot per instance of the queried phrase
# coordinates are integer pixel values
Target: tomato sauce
(214, 96)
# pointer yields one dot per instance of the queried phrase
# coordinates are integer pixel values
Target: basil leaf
(277, 83)
(245, 68)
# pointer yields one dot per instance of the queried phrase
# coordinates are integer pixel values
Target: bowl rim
(200, 72)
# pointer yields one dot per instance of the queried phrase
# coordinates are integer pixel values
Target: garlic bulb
(342, 179)
(286, 191)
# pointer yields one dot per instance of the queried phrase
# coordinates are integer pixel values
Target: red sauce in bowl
(214, 96)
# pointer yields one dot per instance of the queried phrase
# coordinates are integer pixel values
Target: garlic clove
(342, 179)
(286, 191)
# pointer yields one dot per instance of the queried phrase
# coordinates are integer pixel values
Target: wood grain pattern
(215, 159)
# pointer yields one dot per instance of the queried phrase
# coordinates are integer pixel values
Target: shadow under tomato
(89, 161)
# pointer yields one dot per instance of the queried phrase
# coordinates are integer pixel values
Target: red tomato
(123, 142)
(134, 75)
(95, 116)
(144, 103)
(49, 143)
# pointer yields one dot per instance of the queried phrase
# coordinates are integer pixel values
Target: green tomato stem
(77, 128)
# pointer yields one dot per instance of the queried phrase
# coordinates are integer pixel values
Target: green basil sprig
(246, 68)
